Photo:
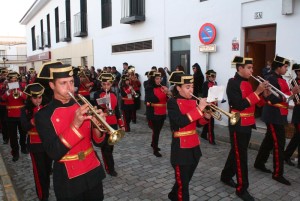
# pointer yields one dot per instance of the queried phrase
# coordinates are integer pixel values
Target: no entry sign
(207, 33)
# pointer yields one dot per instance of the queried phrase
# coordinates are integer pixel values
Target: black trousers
(107, 154)
(156, 126)
(274, 139)
(183, 176)
(208, 131)
(41, 166)
(14, 125)
(127, 114)
(3, 121)
(294, 143)
(94, 194)
(237, 161)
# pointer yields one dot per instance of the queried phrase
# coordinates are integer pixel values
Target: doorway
(180, 53)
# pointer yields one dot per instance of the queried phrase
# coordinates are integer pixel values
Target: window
(80, 20)
(33, 42)
(68, 20)
(56, 25)
(127, 47)
(133, 11)
(41, 45)
(106, 13)
(48, 35)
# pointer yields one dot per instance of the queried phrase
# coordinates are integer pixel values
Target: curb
(10, 193)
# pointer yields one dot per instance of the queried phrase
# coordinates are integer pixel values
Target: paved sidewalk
(142, 176)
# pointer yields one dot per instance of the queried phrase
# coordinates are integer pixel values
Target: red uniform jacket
(14, 105)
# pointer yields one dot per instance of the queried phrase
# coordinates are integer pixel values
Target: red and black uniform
(41, 162)
(77, 171)
(185, 150)
(127, 106)
(13, 107)
(114, 120)
(295, 141)
(85, 91)
(274, 114)
(3, 113)
(241, 99)
(208, 129)
(156, 109)
(23, 85)
(136, 84)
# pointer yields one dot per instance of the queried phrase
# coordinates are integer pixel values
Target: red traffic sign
(207, 33)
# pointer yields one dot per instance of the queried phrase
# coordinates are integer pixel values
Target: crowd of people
(61, 134)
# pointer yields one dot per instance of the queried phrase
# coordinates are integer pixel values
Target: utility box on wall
(287, 7)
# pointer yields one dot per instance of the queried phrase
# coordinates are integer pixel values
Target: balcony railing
(63, 32)
(80, 25)
(133, 11)
(39, 43)
(47, 42)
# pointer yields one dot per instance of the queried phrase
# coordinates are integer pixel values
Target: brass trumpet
(273, 89)
(16, 94)
(169, 94)
(136, 95)
(215, 112)
(114, 135)
(297, 96)
(108, 104)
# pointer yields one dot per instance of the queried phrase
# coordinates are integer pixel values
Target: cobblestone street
(142, 176)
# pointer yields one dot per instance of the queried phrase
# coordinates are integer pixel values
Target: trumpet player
(127, 93)
(67, 134)
(136, 85)
(184, 113)
(274, 114)
(295, 141)
(156, 108)
(242, 99)
(15, 101)
(3, 110)
(208, 129)
(113, 118)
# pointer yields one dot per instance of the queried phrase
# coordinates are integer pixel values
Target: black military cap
(174, 74)
(210, 73)
(281, 60)
(13, 74)
(131, 69)
(154, 73)
(106, 77)
(55, 70)
(31, 70)
(296, 67)
(125, 77)
(241, 60)
(3, 70)
(182, 79)
(34, 90)
(146, 73)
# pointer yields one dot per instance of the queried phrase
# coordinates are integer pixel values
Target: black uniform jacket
(63, 186)
(296, 110)
(180, 156)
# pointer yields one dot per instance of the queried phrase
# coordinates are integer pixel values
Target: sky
(11, 12)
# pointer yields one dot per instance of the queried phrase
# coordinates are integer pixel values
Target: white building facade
(164, 33)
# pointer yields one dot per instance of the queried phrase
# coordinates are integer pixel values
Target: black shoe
(204, 137)
(5, 141)
(282, 180)
(262, 168)
(229, 182)
(158, 149)
(113, 173)
(245, 196)
(171, 197)
(157, 154)
(289, 162)
(134, 122)
(298, 166)
(213, 143)
(15, 158)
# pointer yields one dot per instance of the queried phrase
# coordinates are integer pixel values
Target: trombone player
(67, 134)
(274, 115)
(113, 117)
(242, 99)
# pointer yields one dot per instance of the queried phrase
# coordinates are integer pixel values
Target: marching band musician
(3, 110)
(295, 141)
(67, 134)
(85, 83)
(136, 85)
(274, 115)
(156, 108)
(185, 150)
(241, 99)
(127, 93)
(113, 118)
(15, 99)
(208, 129)
(41, 162)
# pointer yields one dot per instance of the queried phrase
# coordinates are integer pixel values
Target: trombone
(295, 85)
(114, 135)
(215, 112)
(273, 89)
